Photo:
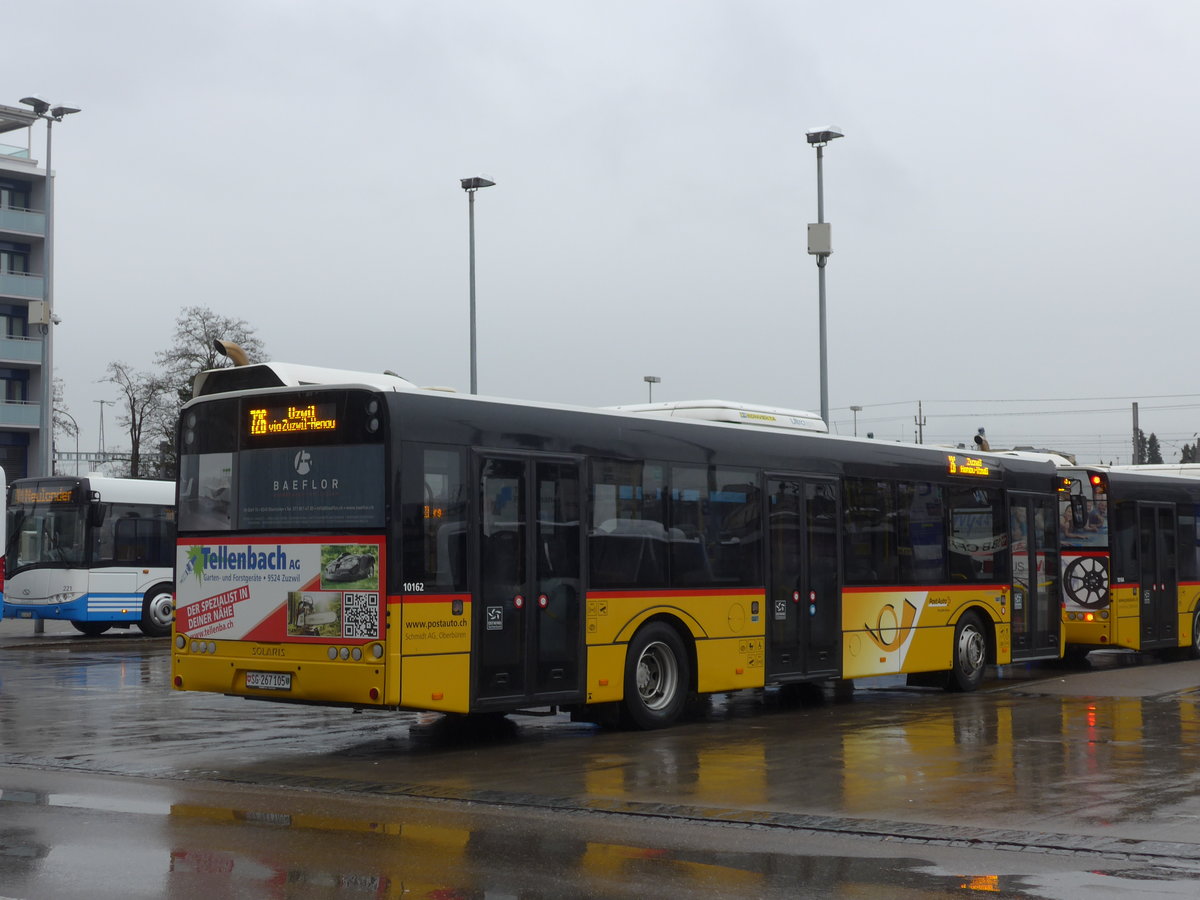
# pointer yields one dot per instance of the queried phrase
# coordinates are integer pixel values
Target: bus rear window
(304, 460)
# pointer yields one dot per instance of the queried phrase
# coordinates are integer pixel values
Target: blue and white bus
(95, 551)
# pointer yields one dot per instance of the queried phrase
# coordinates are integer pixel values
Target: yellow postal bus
(1131, 558)
(347, 538)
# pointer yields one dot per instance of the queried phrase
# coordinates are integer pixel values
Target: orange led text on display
(282, 420)
(967, 465)
(41, 495)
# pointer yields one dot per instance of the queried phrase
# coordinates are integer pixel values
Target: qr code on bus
(360, 615)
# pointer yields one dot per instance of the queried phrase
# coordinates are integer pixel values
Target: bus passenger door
(1033, 529)
(803, 590)
(528, 624)
(1158, 603)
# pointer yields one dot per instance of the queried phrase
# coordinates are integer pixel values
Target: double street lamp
(44, 110)
(820, 246)
(471, 185)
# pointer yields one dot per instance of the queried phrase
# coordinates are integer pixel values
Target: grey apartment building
(22, 283)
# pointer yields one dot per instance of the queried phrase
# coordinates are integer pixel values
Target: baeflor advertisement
(280, 589)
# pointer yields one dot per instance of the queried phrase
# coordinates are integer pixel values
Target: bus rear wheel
(657, 675)
(1194, 650)
(91, 629)
(970, 654)
(158, 611)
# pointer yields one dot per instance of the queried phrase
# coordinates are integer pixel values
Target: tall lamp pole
(471, 185)
(856, 410)
(43, 110)
(819, 245)
(651, 381)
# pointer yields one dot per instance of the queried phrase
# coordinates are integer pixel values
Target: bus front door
(528, 639)
(803, 591)
(1036, 619)
(1158, 603)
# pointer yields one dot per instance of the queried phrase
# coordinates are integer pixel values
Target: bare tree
(142, 394)
(191, 352)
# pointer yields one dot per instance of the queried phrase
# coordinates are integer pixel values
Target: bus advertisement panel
(280, 589)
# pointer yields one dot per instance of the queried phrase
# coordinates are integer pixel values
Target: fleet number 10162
(414, 587)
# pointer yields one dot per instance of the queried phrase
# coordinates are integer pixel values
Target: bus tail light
(178, 681)
(374, 693)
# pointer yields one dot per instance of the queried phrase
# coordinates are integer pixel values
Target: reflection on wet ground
(1018, 767)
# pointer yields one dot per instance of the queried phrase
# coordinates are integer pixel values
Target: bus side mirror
(1078, 511)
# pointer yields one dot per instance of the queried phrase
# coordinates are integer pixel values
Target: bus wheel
(970, 655)
(656, 677)
(91, 629)
(1194, 651)
(158, 611)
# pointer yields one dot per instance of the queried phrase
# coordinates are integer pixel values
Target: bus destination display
(42, 495)
(968, 465)
(290, 419)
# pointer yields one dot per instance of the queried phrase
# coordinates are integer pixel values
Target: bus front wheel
(158, 611)
(1194, 651)
(657, 675)
(91, 629)
(970, 654)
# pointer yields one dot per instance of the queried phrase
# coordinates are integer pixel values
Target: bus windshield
(45, 532)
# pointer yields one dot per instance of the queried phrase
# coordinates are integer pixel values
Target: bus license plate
(269, 681)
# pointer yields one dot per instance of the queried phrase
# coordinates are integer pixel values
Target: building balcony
(27, 287)
(23, 221)
(18, 414)
(24, 351)
(14, 152)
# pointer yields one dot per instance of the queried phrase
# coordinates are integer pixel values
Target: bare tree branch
(142, 394)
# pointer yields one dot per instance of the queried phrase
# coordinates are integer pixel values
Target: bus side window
(628, 538)
(125, 540)
(433, 519)
(869, 515)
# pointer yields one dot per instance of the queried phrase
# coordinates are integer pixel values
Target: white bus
(97, 552)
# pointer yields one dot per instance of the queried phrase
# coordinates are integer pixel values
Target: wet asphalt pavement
(1048, 783)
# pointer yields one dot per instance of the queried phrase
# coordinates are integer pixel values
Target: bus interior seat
(629, 551)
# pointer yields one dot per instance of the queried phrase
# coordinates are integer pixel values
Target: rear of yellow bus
(281, 561)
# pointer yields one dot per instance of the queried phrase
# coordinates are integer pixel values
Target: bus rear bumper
(307, 681)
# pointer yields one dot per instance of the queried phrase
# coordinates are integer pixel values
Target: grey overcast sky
(1013, 205)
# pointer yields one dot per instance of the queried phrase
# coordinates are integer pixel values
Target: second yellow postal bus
(372, 544)
(1131, 557)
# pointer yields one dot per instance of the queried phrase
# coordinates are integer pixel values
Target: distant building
(22, 282)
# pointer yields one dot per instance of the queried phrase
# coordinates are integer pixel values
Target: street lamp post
(471, 185)
(75, 424)
(856, 410)
(819, 245)
(43, 110)
(651, 381)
